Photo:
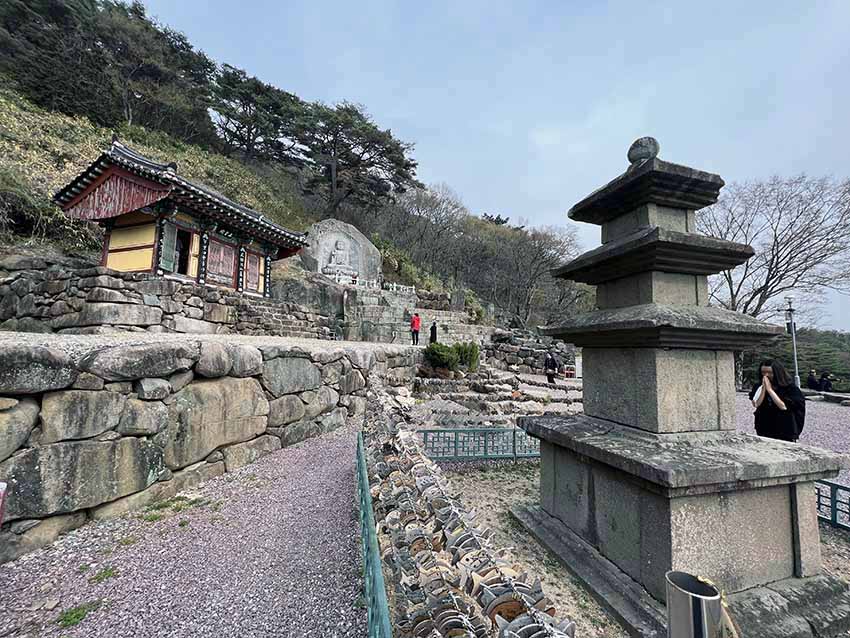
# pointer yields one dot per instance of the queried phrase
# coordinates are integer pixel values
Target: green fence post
(456, 451)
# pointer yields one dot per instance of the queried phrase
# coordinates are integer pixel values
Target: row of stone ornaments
(39, 297)
(93, 430)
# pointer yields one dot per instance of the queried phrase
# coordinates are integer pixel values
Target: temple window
(221, 263)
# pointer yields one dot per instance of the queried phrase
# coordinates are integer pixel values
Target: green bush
(467, 354)
(439, 355)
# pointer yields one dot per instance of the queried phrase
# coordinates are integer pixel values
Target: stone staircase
(492, 398)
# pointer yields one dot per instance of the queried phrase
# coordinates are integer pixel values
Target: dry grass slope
(40, 151)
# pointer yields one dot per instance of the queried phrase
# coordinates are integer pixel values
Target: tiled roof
(196, 195)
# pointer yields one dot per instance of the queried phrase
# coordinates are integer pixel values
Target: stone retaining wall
(95, 427)
(524, 352)
(37, 297)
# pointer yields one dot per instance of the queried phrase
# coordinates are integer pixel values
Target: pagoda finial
(115, 138)
(643, 148)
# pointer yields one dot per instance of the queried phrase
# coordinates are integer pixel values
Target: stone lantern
(653, 476)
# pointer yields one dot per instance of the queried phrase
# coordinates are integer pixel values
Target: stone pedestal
(653, 476)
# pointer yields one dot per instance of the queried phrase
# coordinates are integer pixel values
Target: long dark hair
(780, 374)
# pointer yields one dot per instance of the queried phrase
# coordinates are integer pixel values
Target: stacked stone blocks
(95, 429)
(37, 297)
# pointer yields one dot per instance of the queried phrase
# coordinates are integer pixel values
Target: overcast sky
(524, 108)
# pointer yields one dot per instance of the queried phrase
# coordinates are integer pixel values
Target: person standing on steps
(433, 338)
(550, 365)
(780, 406)
(415, 324)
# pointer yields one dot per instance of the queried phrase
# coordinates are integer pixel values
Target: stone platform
(622, 506)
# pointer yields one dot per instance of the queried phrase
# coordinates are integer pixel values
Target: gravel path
(827, 426)
(269, 550)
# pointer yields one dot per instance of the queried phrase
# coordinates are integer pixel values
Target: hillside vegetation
(74, 71)
(41, 151)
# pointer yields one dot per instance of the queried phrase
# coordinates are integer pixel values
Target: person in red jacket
(415, 324)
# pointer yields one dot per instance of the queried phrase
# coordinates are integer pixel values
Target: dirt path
(269, 550)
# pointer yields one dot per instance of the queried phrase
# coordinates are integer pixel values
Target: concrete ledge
(630, 604)
(688, 463)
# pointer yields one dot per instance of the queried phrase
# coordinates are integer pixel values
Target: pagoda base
(739, 510)
(792, 608)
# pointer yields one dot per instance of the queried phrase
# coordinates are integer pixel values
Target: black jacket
(785, 424)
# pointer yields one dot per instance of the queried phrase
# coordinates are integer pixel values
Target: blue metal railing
(466, 444)
(834, 503)
(377, 607)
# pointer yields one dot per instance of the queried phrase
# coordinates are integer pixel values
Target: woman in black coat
(780, 406)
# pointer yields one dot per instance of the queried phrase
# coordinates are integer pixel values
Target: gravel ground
(827, 426)
(270, 550)
(491, 490)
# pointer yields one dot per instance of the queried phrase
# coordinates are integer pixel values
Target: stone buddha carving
(339, 261)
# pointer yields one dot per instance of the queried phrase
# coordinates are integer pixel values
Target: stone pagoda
(653, 476)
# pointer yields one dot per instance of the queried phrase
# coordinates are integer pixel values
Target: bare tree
(800, 230)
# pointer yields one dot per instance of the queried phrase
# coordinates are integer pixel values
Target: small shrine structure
(159, 222)
(653, 476)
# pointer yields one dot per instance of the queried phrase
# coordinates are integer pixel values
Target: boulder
(180, 380)
(356, 406)
(286, 409)
(151, 389)
(158, 287)
(214, 361)
(326, 398)
(141, 360)
(79, 414)
(22, 262)
(122, 314)
(16, 424)
(155, 493)
(88, 381)
(100, 281)
(331, 372)
(363, 359)
(219, 313)
(189, 325)
(142, 418)
(210, 413)
(197, 474)
(351, 382)
(247, 361)
(107, 295)
(34, 369)
(7, 403)
(70, 476)
(242, 454)
(308, 428)
(287, 375)
(40, 534)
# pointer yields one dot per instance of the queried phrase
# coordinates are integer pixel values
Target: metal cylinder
(694, 609)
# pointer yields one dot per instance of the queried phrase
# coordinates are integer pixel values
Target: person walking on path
(780, 406)
(433, 337)
(812, 382)
(415, 324)
(551, 367)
